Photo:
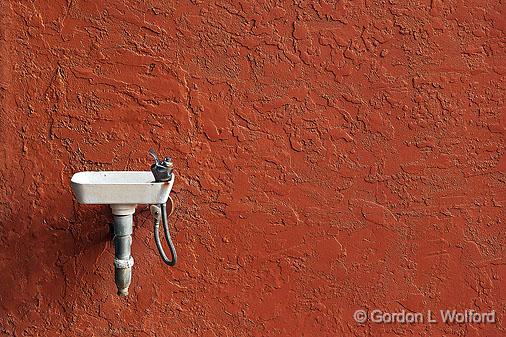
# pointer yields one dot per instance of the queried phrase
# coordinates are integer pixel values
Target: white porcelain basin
(119, 188)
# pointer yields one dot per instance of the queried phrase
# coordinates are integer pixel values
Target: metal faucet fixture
(162, 170)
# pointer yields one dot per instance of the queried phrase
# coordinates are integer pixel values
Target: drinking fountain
(123, 191)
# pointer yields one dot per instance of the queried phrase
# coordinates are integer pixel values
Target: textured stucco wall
(330, 157)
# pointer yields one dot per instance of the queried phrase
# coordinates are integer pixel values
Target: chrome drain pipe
(123, 260)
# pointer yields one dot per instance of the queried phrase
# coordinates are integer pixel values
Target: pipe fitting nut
(122, 264)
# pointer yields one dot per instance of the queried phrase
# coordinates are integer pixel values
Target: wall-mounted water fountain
(123, 191)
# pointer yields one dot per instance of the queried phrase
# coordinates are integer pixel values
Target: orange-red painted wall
(330, 156)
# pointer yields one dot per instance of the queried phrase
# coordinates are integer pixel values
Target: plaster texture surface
(330, 156)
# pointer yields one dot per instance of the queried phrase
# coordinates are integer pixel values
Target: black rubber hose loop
(172, 249)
